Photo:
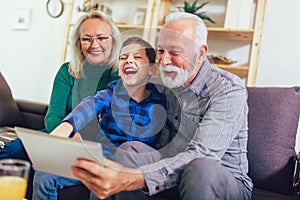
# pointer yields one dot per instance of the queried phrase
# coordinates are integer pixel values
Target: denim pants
(45, 186)
(14, 149)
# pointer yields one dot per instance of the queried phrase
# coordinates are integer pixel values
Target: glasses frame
(100, 39)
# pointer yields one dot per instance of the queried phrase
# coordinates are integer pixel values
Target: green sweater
(67, 91)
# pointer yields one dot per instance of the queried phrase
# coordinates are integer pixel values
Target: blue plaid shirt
(121, 117)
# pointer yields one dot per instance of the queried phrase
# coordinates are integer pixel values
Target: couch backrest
(273, 121)
(9, 111)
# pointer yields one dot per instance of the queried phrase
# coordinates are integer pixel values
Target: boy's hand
(77, 136)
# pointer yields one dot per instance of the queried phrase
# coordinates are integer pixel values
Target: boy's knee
(132, 146)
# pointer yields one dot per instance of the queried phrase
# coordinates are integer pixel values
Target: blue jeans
(14, 149)
(45, 186)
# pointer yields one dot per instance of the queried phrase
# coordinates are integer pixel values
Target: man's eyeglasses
(100, 39)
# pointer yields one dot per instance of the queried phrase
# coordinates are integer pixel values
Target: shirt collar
(121, 92)
(199, 83)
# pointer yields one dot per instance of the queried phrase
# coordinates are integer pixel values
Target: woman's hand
(108, 178)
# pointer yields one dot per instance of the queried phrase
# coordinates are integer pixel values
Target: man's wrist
(137, 180)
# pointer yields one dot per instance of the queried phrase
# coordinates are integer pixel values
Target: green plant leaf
(194, 5)
(186, 4)
(202, 5)
(193, 9)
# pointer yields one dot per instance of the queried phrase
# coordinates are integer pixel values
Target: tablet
(56, 155)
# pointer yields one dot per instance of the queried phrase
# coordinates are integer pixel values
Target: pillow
(9, 111)
(273, 121)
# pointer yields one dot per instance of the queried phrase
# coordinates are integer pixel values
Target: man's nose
(165, 58)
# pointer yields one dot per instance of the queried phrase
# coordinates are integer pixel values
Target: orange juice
(12, 188)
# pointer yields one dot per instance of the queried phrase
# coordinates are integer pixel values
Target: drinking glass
(13, 179)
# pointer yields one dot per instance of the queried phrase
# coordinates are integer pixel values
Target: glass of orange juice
(13, 179)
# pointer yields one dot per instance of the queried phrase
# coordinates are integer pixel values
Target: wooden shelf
(230, 34)
(124, 26)
(128, 26)
(241, 71)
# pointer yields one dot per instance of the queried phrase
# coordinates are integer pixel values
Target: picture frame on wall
(138, 17)
(22, 19)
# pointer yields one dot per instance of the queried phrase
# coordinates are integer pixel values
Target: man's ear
(203, 52)
(153, 69)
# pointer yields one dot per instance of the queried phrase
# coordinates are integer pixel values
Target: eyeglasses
(88, 40)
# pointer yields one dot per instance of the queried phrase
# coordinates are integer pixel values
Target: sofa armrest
(296, 176)
(33, 113)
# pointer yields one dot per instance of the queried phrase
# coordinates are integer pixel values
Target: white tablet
(56, 155)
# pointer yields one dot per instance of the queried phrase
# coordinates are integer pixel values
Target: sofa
(273, 121)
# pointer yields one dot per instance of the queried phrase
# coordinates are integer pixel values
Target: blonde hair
(77, 58)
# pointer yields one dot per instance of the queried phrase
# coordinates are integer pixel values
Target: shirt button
(176, 117)
(157, 187)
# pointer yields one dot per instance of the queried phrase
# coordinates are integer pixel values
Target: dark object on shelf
(220, 60)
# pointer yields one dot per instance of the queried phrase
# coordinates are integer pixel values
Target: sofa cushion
(273, 121)
(9, 111)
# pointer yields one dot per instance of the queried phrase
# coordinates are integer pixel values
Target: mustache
(171, 68)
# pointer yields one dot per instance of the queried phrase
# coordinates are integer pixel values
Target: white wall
(30, 58)
(279, 63)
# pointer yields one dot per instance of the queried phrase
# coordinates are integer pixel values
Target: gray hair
(77, 58)
(200, 27)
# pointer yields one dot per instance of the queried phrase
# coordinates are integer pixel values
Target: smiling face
(134, 67)
(177, 53)
(96, 52)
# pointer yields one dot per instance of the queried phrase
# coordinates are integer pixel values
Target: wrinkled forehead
(168, 38)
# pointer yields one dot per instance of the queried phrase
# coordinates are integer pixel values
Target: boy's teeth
(130, 72)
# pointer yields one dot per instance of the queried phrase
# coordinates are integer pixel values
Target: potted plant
(194, 9)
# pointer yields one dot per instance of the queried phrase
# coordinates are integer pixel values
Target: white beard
(180, 79)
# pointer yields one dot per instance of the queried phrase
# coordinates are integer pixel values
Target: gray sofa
(273, 121)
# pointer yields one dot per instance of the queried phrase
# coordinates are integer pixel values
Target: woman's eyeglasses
(100, 39)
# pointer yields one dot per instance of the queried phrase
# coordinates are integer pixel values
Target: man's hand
(107, 179)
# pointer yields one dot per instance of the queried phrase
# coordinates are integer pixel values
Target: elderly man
(206, 130)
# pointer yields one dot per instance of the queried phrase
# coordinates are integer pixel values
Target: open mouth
(129, 70)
